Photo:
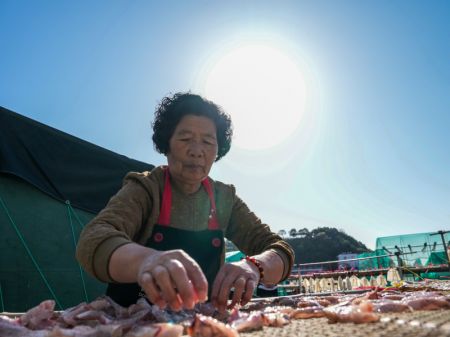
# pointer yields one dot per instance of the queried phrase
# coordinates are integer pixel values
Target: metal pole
(442, 233)
(299, 281)
(399, 264)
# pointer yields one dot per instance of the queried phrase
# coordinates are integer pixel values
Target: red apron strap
(164, 214)
(212, 221)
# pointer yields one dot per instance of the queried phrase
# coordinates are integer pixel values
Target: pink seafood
(309, 303)
(307, 312)
(427, 303)
(156, 330)
(204, 326)
(361, 313)
(247, 322)
(393, 297)
(384, 306)
(86, 331)
(39, 317)
(275, 319)
(12, 328)
(331, 299)
(281, 309)
(68, 316)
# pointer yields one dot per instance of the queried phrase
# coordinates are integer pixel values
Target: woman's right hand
(172, 278)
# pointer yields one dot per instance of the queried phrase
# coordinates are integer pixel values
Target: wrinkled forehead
(196, 125)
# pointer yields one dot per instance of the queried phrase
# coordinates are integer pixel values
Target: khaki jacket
(131, 214)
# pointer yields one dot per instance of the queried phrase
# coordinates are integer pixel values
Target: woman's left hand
(243, 276)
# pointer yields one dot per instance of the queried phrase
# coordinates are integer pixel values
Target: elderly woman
(162, 235)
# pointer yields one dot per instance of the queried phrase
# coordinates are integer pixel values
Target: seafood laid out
(105, 318)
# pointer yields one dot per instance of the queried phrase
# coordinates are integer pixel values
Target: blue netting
(378, 260)
(421, 249)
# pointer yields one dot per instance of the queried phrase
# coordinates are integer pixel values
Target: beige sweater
(131, 214)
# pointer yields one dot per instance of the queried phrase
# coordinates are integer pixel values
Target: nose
(195, 150)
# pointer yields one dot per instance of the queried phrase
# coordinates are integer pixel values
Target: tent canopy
(63, 166)
(40, 169)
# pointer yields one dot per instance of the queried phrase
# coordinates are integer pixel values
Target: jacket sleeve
(253, 237)
(117, 224)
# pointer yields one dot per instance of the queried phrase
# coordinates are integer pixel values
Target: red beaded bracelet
(257, 264)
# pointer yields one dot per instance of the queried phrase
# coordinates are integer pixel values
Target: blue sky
(370, 154)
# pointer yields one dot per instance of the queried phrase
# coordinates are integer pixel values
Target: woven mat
(415, 324)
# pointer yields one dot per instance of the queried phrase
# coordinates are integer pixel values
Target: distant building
(347, 265)
(306, 270)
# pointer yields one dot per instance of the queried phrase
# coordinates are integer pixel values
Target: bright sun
(264, 92)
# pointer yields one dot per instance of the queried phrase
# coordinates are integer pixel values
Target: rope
(69, 212)
(1, 298)
(30, 254)
(75, 214)
(338, 261)
(410, 271)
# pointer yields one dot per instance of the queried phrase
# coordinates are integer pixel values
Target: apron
(205, 246)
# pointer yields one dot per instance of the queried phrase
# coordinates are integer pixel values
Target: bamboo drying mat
(414, 324)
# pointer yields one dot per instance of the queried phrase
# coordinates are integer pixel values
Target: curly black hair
(173, 108)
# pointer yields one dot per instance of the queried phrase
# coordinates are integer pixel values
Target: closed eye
(210, 140)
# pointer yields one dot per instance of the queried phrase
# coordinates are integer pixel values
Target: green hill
(322, 244)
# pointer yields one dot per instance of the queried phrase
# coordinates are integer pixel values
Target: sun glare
(263, 90)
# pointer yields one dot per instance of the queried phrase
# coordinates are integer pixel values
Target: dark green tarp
(437, 258)
(51, 185)
(61, 165)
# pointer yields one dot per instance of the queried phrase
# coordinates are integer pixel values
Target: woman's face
(192, 149)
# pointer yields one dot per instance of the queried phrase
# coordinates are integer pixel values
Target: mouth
(193, 167)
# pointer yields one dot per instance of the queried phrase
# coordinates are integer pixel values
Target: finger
(196, 275)
(225, 287)
(239, 289)
(249, 289)
(216, 285)
(182, 283)
(165, 284)
(151, 290)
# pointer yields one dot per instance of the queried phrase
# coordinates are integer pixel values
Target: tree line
(319, 244)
